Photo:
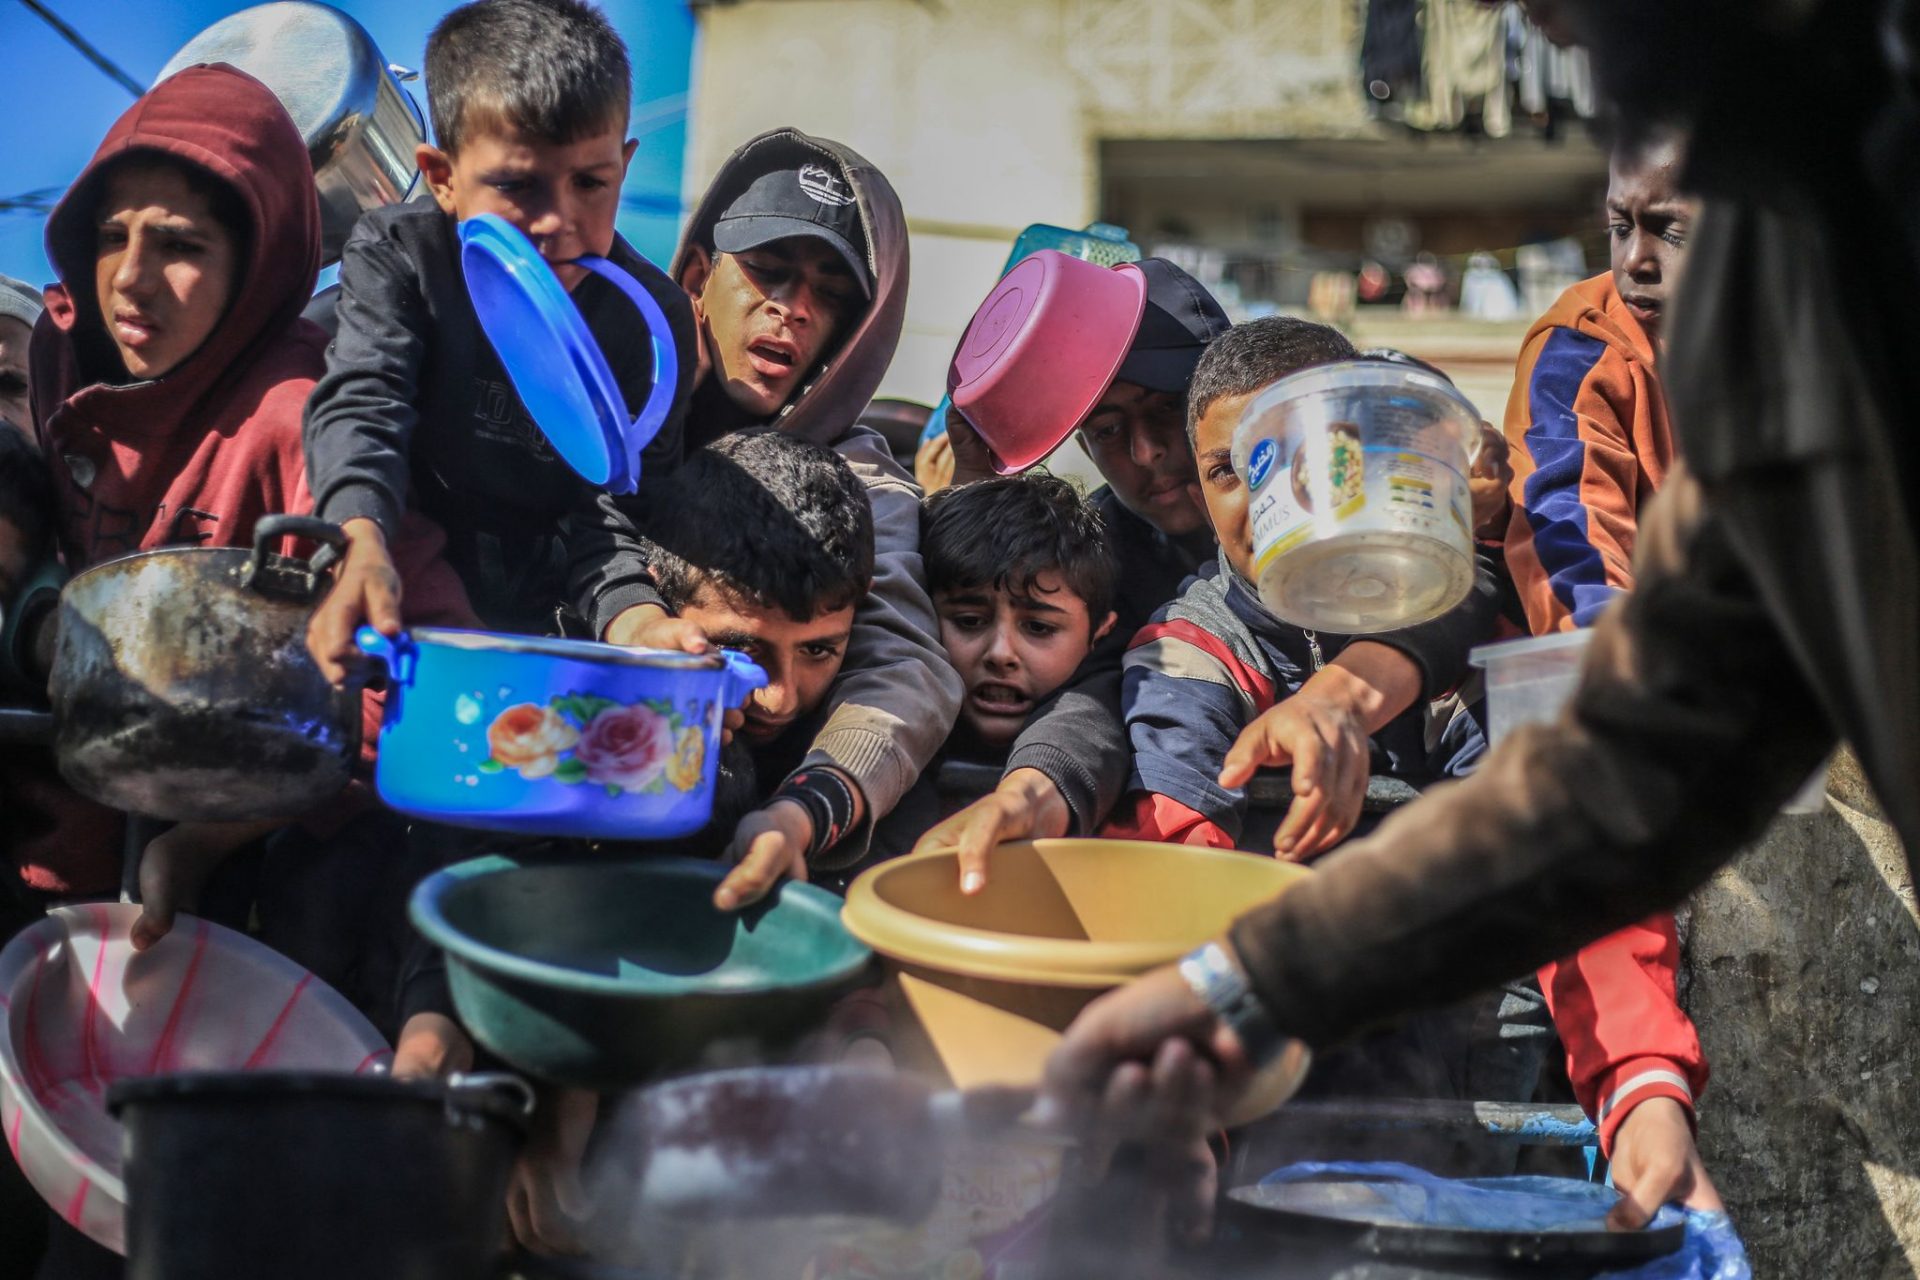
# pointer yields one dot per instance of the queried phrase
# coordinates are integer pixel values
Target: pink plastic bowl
(83, 1010)
(1040, 351)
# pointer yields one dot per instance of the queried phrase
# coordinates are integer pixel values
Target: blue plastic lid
(553, 359)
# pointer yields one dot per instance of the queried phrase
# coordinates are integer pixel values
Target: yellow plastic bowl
(993, 979)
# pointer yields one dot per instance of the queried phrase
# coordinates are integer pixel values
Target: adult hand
(1327, 746)
(1109, 1066)
(547, 1205)
(1656, 1162)
(1489, 484)
(768, 844)
(972, 458)
(431, 1046)
(1025, 806)
(366, 588)
(175, 865)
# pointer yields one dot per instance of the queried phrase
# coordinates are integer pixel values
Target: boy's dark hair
(772, 519)
(1249, 356)
(553, 68)
(26, 491)
(1004, 533)
(224, 201)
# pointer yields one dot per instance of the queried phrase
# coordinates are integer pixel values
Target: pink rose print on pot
(625, 747)
(529, 738)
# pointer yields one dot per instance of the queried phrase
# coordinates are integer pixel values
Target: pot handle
(272, 574)
(666, 360)
(399, 654)
(743, 677)
(495, 1083)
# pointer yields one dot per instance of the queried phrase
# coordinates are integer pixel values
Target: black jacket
(416, 409)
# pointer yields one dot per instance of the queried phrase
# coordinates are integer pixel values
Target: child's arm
(358, 433)
(176, 863)
(897, 695)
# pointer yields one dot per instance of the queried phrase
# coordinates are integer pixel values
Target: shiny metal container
(361, 126)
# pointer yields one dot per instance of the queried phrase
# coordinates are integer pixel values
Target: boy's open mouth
(772, 358)
(995, 699)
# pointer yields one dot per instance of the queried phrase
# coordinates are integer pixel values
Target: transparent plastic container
(1361, 514)
(1529, 681)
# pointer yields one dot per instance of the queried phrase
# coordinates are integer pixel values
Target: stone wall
(1803, 975)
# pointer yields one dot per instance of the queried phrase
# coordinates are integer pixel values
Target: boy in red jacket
(169, 374)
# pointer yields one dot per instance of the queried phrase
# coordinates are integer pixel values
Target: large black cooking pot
(182, 688)
(311, 1176)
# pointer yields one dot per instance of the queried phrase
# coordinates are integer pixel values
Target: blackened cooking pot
(182, 688)
(314, 1176)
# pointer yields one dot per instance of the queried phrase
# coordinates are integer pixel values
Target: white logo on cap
(824, 186)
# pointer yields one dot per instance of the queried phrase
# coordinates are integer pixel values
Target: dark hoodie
(897, 695)
(196, 456)
(417, 410)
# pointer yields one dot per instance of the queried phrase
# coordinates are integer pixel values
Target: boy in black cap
(1067, 768)
(795, 262)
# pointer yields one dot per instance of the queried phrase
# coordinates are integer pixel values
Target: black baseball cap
(812, 199)
(1180, 319)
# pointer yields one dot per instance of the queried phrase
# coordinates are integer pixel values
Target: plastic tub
(1041, 350)
(605, 974)
(1361, 514)
(1529, 681)
(85, 1010)
(993, 978)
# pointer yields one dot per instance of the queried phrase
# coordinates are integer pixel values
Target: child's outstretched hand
(1492, 474)
(1655, 1162)
(431, 1047)
(366, 588)
(1327, 746)
(1025, 806)
(547, 1204)
(769, 844)
(174, 866)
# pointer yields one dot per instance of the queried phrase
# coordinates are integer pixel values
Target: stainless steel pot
(182, 688)
(360, 125)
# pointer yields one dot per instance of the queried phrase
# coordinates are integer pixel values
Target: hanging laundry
(1390, 72)
(1464, 67)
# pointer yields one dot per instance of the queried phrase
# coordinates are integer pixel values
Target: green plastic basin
(607, 974)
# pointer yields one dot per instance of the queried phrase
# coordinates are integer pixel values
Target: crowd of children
(1101, 660)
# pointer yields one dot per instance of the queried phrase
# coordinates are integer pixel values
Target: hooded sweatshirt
(195, 456)
(1590, 444)
(897, 695)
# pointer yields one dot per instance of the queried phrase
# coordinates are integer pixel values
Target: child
(1023, 579)
(767, 547)
(529, 100)
(1216, 661)
(20, 307)
(796, 263)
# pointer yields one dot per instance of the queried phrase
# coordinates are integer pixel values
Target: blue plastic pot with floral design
(553, 737)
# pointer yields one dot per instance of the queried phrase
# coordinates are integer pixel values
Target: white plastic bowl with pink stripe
(83, 1009)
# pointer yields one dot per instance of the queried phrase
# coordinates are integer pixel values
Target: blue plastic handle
(666, 361)
(744, 675)
(398, 653)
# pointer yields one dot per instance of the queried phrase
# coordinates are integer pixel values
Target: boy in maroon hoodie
(169, 374)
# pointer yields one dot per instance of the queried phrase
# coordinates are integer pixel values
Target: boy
(795, 262)
(766, 546)
(1024, 580)
(1592, 445)
(529, 100)
(1216, 660)
(1175, 685)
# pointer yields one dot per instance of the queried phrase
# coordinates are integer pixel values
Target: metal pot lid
(320, 63)
(573, 650)
(496, 1094)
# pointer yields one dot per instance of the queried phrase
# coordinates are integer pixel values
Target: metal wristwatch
(1217, 978)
